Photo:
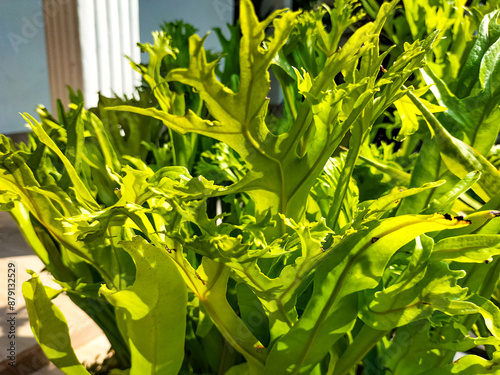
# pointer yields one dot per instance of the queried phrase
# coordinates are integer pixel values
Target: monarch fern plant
(293, 273)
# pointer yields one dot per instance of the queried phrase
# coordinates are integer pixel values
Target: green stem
(227, 358)
(398, 174)
(483, 332)
(344, 178)
(364, 341)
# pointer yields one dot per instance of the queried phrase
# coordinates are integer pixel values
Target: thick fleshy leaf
(354, 264)
(153, 310)
(459, 157)
(487, 34)
(445, 202)
(211, 288)
(473, 248)
(427, 169)
(81, 190)
(382, 205)
(50, 328)
(473, 106)
(252, 313)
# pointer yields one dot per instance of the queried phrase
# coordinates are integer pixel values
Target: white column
(63, 48)
(87, 50)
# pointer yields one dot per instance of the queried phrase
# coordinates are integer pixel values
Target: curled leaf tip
(31, 272)
(103, 289)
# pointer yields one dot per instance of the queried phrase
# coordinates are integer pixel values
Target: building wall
(202, 14)
(24, 80)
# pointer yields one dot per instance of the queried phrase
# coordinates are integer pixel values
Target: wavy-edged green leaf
(50, 328)
(418, 347)
(184, 124)
(10, 202)
(408, 114)
(418, 292)
(311, 236)
(478, 305)
(469, 365)
(47, 204)
(391, 89)
(108, 151)
(355, 263)
(220, 164)
(129, 134)
(472, 248)
(410, 350)
(468, 343)
(472, 119)
(294, 353)
(239, 115)
(153, 310)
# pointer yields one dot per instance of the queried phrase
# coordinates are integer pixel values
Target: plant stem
(227, 358)
(364, 341)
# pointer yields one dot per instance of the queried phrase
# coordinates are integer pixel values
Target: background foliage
(355, 232)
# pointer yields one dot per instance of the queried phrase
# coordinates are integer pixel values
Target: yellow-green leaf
(50, 328)
(153, 310)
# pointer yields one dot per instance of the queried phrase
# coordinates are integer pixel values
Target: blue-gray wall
(24, 79)
(204, 15)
